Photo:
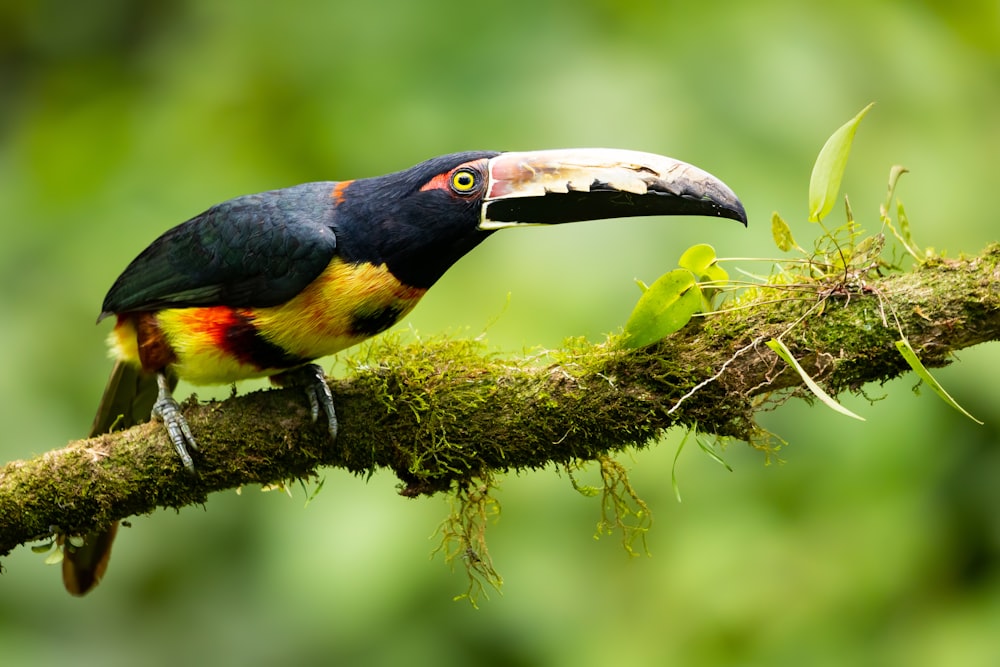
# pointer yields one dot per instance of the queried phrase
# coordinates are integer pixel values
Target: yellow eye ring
(464, 181)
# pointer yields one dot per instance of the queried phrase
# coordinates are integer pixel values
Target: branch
(441, 414)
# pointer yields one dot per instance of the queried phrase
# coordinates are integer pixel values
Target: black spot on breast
(371, 321)
(244, 341)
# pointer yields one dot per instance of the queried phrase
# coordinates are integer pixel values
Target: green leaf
(662, 309)
(895, 172)
(782, 351)
(705, 447)
(673, 468)
(319, 487)
(42, 548)
(904, 235)
(702, 261)
(782, 233)
(918, 367)
(904, 225)
(708, 449)
(824, 184)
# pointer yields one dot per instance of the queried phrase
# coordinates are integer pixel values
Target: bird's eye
(464, 181)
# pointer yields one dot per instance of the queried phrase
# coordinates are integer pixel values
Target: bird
(265, 284)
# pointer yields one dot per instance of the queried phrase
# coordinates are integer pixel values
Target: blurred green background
(871, 544)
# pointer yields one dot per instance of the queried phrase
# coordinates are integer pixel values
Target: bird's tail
(128, 400)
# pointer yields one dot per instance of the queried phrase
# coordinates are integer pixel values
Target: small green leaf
(697, 258)
(708, 449)
(918, 367)
(904, 234)
(782, 351)
(894, 174)
(662, 309)
(867, 252)
(904, 224)
(319, 487)
(673, 468)
(702, 261)
(824, 184)
(42, 548)
(782, 233)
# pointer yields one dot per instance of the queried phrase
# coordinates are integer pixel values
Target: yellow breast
(345, 305)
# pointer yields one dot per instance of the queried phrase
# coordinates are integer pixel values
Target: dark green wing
(253, 251)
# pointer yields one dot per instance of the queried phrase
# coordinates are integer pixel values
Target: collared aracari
(263, 285)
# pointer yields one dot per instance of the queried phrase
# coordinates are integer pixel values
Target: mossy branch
(443, 413)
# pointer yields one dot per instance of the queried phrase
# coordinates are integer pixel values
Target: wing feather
(253, 251)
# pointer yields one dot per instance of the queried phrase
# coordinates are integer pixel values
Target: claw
(167, 410)
(311, 378)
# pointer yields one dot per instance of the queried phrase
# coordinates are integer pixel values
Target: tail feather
(128, 400)
(83, 566)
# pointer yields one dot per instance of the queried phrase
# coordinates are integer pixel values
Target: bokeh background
(870, 543)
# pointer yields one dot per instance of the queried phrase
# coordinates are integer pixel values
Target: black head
(420, 221)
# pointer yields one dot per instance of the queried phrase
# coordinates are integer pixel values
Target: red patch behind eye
(439, 182)
(445, 181)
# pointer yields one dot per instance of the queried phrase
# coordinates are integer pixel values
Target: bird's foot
(312, 378)
(167, 410)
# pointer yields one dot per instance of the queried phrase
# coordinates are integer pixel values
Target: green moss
(622, 510)
(463, 536)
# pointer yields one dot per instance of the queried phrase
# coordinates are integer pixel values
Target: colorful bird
(262, 285)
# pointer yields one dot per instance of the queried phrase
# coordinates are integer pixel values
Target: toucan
(265, 284)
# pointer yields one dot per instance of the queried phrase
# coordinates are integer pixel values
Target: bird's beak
(555, 186)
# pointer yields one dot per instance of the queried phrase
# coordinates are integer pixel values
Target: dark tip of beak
(706, 197)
